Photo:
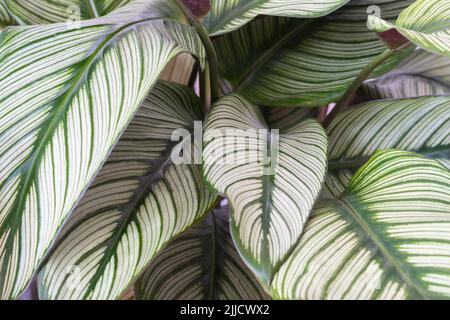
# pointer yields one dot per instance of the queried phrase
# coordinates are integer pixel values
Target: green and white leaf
(201, 264)
(271, 180)
(425, 23)
(386, 238)
(421, 125)
(5, 17)
(421, 74)
(229, 15)
(138, 202)
(290, 62)
(403, 86)
(66, 95)
(50, 11)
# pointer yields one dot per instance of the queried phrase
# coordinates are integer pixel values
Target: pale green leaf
(421, 74)
(202, 264)
(229, 15)
(421, 125)
(66, 95)
(271, 180)
(304, 62)
(5, 16)
(50, 11)
(425, 23)
(138, 202)
(387, 237)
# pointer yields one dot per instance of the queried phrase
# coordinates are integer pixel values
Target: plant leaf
(290, 62)
(403, 86)
(65, 98)
(229, 15)
(271, 186)
(201, 264)
(421, 125)
(425, 23)
(48, 11)
(138, 202)
(385, 238)
(5, 17)
(422, 74)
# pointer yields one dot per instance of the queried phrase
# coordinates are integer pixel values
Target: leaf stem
(363, 75)
(213, 64)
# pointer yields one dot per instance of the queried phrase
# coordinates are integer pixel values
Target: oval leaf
(386, 238)
(421, 125)
(290, 62)
(229, 15)
(271, 180)
(66, 95)
(202, 264)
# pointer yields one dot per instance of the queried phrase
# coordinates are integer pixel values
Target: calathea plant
(309, 161)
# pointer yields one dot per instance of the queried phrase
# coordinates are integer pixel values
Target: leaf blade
(377, 240)
(269, 205)
(49, 96)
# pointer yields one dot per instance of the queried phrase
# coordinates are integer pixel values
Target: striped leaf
(271, 179)
(421, 74)
(5, 17)
(291, 62)
(229, 15)
(50, 11)
(138, 202)
(66, 95)
(403, 86)
(387, 237)
(425, 23)
(202, 264)
(421, 125)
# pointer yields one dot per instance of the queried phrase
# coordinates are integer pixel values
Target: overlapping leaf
(270, 180)
(421, 74)
(48, 11)
(5, 16)
(303, 62)
(66, 95)
(138, 202)
(421, 125)
(229, 15)
(425, 22)
(387, 237)
(201, 264)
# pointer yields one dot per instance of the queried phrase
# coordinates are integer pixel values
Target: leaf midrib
(345, 203)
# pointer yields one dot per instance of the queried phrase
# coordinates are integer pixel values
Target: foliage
(304, 156)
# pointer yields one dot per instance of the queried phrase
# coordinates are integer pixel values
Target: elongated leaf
(139, 202)
(229, 15)
(271, 182)
(50, 11)
(386, 238)
(5, 16)
(65, 98)
(421, 125)
(404, 86)
(201, 264)
(425, 22)
(421, 74)
(291, 62)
